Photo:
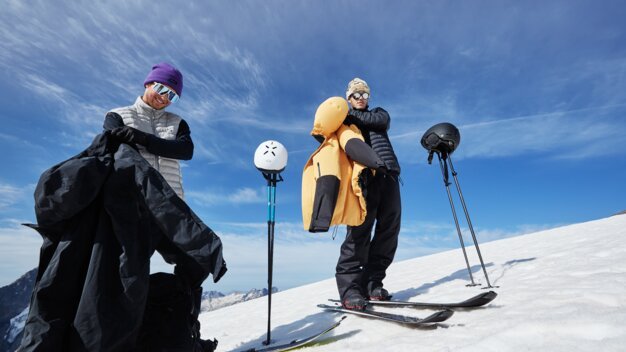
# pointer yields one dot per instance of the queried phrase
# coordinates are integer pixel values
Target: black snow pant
(363, 260)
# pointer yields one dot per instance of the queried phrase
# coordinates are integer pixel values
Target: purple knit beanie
(166, 74)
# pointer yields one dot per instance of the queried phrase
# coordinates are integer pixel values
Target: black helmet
(443, 137)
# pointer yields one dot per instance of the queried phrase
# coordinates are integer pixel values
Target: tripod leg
(456, 220)
(469, 222)
(271, 195)
(269, 283)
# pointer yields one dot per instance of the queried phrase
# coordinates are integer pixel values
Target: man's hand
(351, 120)
(383, 170)
(130, 135)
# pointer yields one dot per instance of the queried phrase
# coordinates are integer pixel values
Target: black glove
(130, 135)
(387, 173)
(383, 170)
(351, 120)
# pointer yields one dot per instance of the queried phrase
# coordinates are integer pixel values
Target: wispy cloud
(239, 196)
(16, 141)
(564, 134)
(488, 235)
(431, 236)
(222, 78)
(11, 195)
(19, 250)
(77, 114)
(572, 134)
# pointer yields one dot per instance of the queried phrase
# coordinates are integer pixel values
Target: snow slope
(562, 289)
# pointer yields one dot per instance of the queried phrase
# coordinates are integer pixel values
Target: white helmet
(270, 157)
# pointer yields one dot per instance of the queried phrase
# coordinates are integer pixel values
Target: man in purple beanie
(162, 138)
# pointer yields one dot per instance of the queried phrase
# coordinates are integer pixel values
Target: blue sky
(537, 89)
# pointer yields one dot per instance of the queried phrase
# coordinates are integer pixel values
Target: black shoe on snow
(354, 302)
(379, 294)
(205, 345)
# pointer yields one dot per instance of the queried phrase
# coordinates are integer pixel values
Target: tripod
(444, 160)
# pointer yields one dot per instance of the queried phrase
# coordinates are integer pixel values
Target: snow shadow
(508, 265)
(300, 329)
(460, 274)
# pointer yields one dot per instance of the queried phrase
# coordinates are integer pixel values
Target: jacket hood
(329, 116)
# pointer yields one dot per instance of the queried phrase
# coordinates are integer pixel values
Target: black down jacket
(374, 125)
(102, 214)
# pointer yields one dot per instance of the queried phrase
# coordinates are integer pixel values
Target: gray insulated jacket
(374, 125)
(162, 124)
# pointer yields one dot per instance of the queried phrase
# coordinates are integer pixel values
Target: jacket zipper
(156, 157)
(319, 170)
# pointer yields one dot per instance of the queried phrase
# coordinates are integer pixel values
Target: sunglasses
(358, 96)
(163, 89)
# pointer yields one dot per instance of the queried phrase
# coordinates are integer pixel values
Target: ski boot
(354, 301)
(379, 294)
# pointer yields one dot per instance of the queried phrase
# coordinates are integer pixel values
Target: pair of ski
(296, 343)
(439, 316)
(443, 314)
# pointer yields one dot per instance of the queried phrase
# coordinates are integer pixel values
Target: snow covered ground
(562, 289)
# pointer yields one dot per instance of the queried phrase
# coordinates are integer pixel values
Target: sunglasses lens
(159, 88)
(162, 89)
(358, 96)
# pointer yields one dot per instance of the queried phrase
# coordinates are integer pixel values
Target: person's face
(154, 99)
(359, 100)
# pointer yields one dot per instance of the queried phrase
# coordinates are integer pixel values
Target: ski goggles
(358, 96)
(162, 89)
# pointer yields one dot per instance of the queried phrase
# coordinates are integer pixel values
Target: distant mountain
(214, 300)
(15, 299)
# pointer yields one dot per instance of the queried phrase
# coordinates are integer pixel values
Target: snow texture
(562, 289)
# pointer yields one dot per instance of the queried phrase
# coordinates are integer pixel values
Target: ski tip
(479, 300)
(442, 315)
(491, 295)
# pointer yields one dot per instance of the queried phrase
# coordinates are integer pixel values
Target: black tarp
(102, 214)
